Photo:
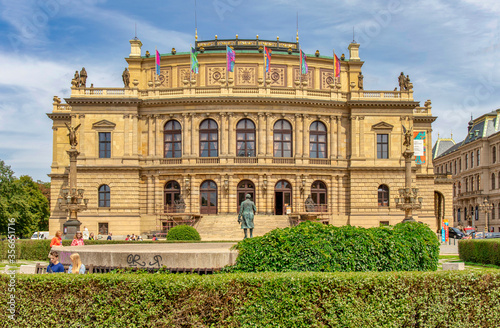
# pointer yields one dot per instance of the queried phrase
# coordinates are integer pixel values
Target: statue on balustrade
(360, 81)
(83, 78)
(126, 78)
(76, 80)
(402, 81)
(309, 204)
(247, 212)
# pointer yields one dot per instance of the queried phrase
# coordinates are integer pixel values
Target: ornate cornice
(102, 101)
(59, 116)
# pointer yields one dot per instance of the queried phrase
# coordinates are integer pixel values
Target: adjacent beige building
(474, 166)
(212, 137)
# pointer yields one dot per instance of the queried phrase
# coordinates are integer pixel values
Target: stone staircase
(225, 227)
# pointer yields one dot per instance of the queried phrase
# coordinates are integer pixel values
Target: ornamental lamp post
(486, 208)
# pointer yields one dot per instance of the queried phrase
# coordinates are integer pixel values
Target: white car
(40, 235)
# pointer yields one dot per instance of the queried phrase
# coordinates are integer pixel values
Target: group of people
(76, 266)
(133, 237)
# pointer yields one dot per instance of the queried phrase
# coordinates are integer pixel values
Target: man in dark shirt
(109, 236)
(54, 266)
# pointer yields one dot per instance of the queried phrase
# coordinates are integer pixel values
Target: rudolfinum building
(184, 146)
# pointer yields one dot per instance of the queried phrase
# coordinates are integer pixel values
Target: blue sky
(450, 49)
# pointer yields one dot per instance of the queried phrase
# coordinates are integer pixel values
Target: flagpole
(227, 68)
(156, 63)
(265, 66)
(190, 64)
(334, 77)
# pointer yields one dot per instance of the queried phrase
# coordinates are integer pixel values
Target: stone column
(151, 140)
(298, 136)
(305, 135)
(126, 136)
(269, 136)
(186, 145)
(151, 195)
(223, 135)
(55, 157)
(193, 136)
(135, 133)
(361, 125)
(354, 136)
(230, 135)
(82, 135)
(339, 135)
(333, 138)
(262, 136)
(158, 134)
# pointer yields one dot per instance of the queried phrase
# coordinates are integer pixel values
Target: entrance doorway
(208, 197)
(282, 197)
(245, 187)
(318, 194)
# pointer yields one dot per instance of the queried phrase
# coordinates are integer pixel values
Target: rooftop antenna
(135, 38)
(195, 23)
(353, 40)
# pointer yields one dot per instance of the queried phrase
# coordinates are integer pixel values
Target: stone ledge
(453, 266)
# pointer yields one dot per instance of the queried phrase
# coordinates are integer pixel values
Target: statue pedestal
(71, 227)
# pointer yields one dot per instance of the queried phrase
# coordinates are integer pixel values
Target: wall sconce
(303, 186)
(264, 183)
(187, 183)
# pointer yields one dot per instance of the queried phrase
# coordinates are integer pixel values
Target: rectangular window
(104, 144)
(382, 146)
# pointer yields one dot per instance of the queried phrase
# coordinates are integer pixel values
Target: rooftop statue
(126, 78)
(83, 77)
(360, 81)
(402, 81)
(76, 80)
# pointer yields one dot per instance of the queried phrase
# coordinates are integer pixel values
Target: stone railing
(61, 107)
(334, 93)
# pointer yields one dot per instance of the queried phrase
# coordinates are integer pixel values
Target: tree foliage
(22, 199)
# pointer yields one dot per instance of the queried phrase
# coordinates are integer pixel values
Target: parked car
(40, 235)
(455, 233)
(490, 235)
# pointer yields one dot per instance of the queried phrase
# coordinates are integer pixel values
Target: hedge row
(37, 250)
(317, 247)
(485, 251)
(410, 299)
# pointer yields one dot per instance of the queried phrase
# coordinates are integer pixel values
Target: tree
(21, 199)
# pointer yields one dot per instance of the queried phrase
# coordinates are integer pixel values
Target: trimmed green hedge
(317, 247)
(37, 250)
(183, 232)
(485, 251)
(409, 299)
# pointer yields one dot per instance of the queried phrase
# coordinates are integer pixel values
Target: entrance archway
(245, 187)
(282, 197)
(208, 197)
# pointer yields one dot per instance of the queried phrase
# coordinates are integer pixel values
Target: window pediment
(382, 126)
(103, 125)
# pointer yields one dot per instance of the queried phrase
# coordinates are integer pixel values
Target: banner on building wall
(419, 149)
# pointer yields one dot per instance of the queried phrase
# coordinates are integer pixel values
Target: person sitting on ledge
(78, 240)
(57, 240)
(76, 266)
(54, 266)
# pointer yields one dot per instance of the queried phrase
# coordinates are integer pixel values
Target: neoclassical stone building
(212, 137)
(474, 166)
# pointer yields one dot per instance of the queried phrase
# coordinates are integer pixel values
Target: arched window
(493, 211)
(471, 159)
(172, 138)
(494, 155)
(478, 157)
(476, 213)
(459, 165)
(172, 194)
(318, 194)
(466, 185)
(383, 195)
(209, 139)
(454, 190)
(245, 187)
(104, 196)
(455, 169)
(466, 161)
(282, 197)
(245, 138)
(446, 169)
(493, 180)
(478, 182)
(317, 140)
(459, 187)
(282, 139)
(458, 215)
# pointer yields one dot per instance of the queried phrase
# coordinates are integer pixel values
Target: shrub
(407, 299)
(183, 232)
(485, 251)
(317, 247)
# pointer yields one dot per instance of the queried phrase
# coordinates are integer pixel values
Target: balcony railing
(210, 160)
(283, 160)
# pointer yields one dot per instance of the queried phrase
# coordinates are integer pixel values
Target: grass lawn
(468, 265)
